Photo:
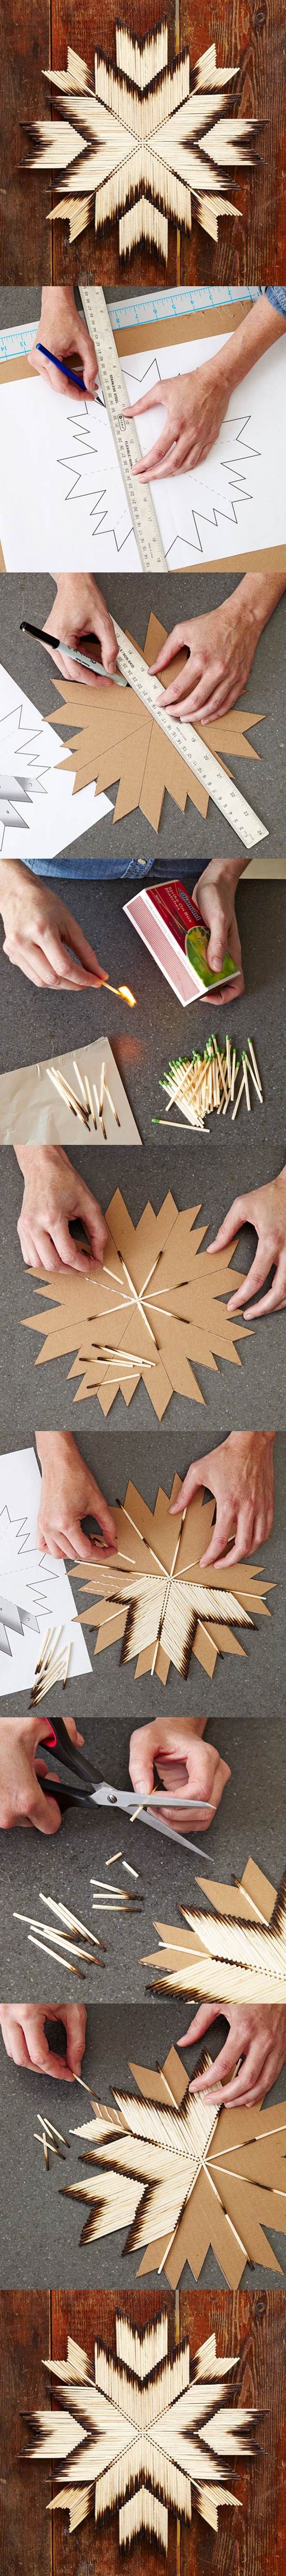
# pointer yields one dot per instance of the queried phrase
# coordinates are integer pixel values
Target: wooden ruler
(222, 789)
(126, 441)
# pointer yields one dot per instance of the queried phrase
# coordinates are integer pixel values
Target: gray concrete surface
(184, 841)
(42, 2230)
(245, 1710)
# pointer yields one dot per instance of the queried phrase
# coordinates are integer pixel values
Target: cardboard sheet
(68, 456)
(35, 1588)
(38, 813)
(154, 1308)
(156, 1595)
(32, 1112)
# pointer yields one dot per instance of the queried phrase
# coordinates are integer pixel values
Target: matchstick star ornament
(183, 2175)
(154, 1308)
(158, 1597)
(146, 2435)
(148, 142)
(238, 1952)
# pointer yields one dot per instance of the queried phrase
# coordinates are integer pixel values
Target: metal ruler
(126, 441)
(184, 739)
(166, 301)
(16, 343)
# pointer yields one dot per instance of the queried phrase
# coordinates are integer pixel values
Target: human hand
(195, 405)
(69, 1494)
(240, 1475)
(78, 610)
(63, 330)
(220, 649)
(257, 2034)
(41, 937)
(214, 894)
(22, 1800)
(54, 1197)
(25, 2038)
(168, 1744)
(265, 1209)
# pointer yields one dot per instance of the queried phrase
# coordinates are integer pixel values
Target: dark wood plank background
(253, 2541)
(250, 2542)
(35, 33)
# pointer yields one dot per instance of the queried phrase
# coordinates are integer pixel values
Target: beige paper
(154, 1308)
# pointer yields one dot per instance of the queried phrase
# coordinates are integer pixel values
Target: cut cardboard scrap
(36, 1110)
(156, 1595)
(197, 2176)
(144, 2435)
(123, 742)
(238, 1951)
(153, 1309)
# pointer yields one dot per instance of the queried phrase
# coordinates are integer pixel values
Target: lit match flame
(123, 994)
(127, 996)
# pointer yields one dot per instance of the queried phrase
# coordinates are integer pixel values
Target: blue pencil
(63, 370)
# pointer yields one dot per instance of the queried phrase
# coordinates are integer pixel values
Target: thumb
(94, 1221)
(218, 932)
(103, 627)
(44, 1812)
(87, 353)
(142, 1752)
(237, 1215)
(192, 1481)
(201, 2022)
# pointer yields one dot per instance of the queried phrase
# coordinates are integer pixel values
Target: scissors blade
(105, 1796)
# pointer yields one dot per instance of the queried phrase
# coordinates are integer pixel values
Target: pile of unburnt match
(216, 1080)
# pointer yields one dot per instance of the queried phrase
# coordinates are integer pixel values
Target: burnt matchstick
(123, 994)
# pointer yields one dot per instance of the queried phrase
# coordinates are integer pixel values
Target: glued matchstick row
(199, 1084)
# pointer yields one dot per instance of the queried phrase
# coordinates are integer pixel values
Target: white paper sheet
(35, 1591)
(43, 820)
(69, 497)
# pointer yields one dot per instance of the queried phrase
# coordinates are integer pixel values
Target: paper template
(39, 815)
(35, 1589)
(31, 1110)
(70, 496)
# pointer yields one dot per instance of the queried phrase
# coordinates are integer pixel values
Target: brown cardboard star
(153, 1308)
(157, 1596)
(117, 739)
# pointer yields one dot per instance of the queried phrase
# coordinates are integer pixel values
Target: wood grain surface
(251, 248)
(251, 2542)
(25, 2526)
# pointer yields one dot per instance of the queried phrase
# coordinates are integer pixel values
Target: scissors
(94, 1791)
